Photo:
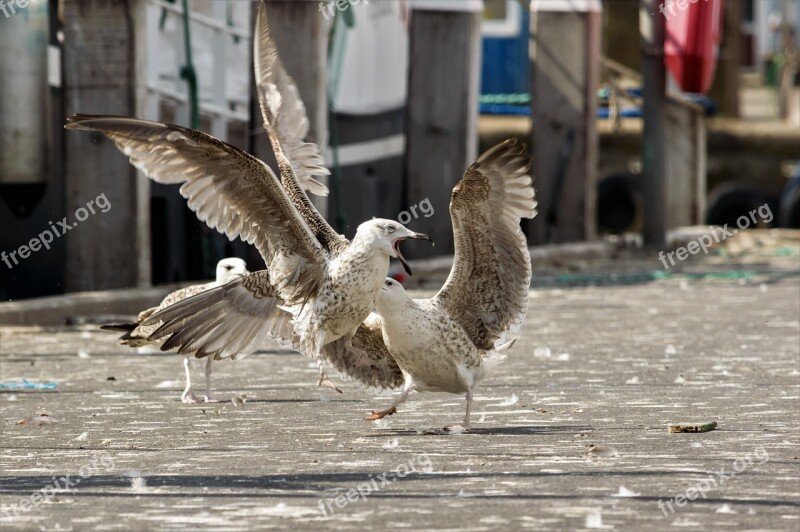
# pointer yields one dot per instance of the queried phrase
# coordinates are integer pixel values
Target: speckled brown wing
(228, 189)
(373, 366)
(144, 331)
(226, 321)
(287, 125)
(236, 318)
(137, 334)
(487, 289)
(287, 113)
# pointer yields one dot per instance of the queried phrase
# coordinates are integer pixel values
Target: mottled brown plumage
(320, 287)
(487, 289)
(370, 363)
(448, 343)
(138, 334)
(287, 126)
(228, 189)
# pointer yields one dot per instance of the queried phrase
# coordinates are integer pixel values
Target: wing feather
(370, 363)
(487, 289)
(137, 333)
(287, 126)
(237, 318)
(228, 189)
(289, 118)
(231, 320)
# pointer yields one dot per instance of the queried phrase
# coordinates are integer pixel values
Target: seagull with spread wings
(318, 287)
(449, 342)
(315, 290)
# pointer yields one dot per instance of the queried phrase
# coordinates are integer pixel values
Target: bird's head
(230, 269)
(385, 235)
(392, 296)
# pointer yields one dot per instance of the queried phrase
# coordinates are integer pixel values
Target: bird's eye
(388, 283)
(391, 229)
(228, 267)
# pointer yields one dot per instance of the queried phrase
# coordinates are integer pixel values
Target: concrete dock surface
(570, 433)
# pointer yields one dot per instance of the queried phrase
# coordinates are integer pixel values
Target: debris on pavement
(239, 400)
(29, 385)
(693, 427)
(38, 420)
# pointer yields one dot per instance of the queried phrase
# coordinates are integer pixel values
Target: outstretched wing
(235, 319)
(136, 334)
(144, 331)
(226, 321)
(289, 119)
(487, 289)
(286, 124)
(228, 189)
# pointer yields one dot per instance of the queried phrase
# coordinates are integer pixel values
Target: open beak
(396, 248)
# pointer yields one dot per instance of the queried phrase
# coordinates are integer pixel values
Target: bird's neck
(366, 245)
(365, 260)
(384, 308)
(388, 308)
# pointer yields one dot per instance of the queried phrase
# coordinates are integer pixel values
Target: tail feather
(232, 320)
(128, 338)
(506, 346)
(120, 327)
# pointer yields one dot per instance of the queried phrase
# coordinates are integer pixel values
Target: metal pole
(652, 25)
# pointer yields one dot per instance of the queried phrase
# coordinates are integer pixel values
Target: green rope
(645, 277)
(517, 98)
(230, 23)
(163, 20)
(188, 71)
(786, 251)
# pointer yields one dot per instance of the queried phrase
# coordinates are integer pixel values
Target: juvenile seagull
(448, 343)
(136, 334)
(318, 287)
(308, 297)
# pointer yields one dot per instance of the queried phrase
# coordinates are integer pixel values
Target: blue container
(506, 65)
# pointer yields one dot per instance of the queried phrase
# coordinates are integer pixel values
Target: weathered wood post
(685, 124)
(652, 25)
(443, 84)
(98, 59)
(565, 76)
(301, 33)
(725, 89)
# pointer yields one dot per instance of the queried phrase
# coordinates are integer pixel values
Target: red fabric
(692, 42)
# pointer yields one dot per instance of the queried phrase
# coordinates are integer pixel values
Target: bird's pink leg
(324, 381)
(464, 424)
(392, 409)
(188, 397)
(209, 398)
